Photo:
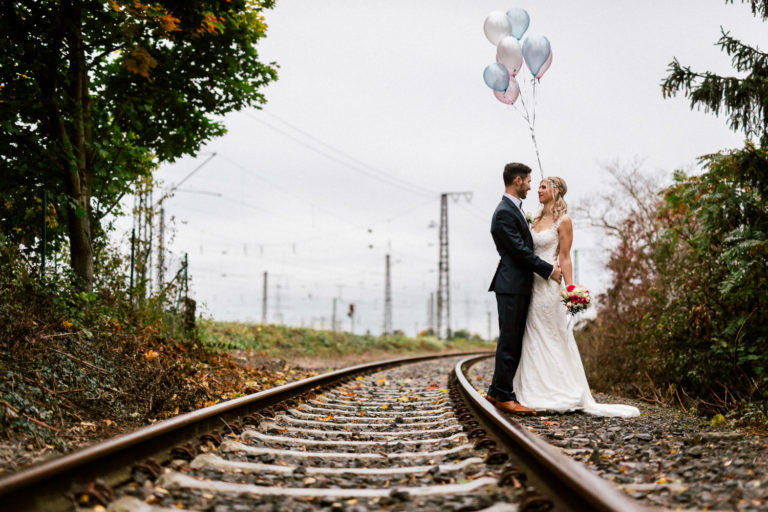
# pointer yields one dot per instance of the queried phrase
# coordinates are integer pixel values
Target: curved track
(404, 434)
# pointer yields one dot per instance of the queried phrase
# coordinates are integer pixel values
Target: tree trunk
(80, 173)
(80, 248)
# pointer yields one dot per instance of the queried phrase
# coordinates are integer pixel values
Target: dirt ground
(241, 373)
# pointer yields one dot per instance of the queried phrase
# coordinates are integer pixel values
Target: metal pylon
(443, 268)
(388, 301)
(443, 273)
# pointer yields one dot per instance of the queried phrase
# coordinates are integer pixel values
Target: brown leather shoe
(491, 399)
(513, 407)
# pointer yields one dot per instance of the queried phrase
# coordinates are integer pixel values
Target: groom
(512, 283)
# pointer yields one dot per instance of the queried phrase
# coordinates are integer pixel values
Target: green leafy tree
(695, 271)
(712, 317)
(685, 311)
(94, 94)
(744, 99)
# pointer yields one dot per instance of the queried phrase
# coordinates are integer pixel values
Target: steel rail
(48, 485)
(571, 485)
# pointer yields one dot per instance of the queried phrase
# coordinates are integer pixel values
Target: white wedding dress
(550, 375)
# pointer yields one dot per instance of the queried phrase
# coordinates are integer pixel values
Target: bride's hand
(557, 275)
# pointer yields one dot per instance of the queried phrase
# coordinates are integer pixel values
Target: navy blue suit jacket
(514, 242)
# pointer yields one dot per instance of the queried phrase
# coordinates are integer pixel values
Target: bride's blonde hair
(559, 188)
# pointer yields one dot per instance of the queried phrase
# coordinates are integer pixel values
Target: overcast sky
(380, 107)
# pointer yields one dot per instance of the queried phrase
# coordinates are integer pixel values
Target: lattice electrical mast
(443, 268)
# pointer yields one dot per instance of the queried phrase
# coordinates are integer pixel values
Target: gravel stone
(406, 403)
(666, 458)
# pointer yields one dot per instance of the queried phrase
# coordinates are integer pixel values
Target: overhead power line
(348, 156)
(359, 166)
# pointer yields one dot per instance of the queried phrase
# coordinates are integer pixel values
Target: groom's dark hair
(513, 170)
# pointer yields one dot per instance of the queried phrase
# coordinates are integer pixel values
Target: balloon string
(533, 81)
(531, 120)
(536, 147)
(533, 125)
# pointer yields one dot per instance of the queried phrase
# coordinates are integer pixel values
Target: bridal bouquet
(576, 299)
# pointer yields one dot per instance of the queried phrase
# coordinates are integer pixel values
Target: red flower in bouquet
(576, 299)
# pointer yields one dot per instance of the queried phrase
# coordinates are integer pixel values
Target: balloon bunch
(504, 31)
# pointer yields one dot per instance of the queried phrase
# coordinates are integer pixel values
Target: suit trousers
(513, 312)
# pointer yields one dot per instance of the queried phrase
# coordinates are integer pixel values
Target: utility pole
(388, 300)
(443, 269)
(133, 259)
(264, 301)
(161, 250)
(431, 312)
(333, 316)
(151, 225)
(489, 326)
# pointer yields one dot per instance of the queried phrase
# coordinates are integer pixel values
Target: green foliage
(743, 99)
(716, 301)
(280, 341)
(94, 94)
(73, 356)
(685, 314)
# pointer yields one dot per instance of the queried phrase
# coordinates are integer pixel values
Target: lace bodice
(546, 243)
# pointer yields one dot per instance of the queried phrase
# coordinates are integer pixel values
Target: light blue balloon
(520, 21)
(536, 50)
(496, 77)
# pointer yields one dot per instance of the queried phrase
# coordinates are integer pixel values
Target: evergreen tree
(743, 99)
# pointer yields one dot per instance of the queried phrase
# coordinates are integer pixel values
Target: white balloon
(497, 26)
(510, 53)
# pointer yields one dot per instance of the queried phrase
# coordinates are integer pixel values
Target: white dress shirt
(519, 203)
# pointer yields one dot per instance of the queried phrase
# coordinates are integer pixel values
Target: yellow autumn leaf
(170, 23)
(140, 62)
(150, 355)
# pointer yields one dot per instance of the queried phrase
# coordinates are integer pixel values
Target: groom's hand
(557, 275)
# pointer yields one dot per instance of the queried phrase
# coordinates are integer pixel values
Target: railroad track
(404, 434)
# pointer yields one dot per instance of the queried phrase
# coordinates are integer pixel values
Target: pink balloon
(545, 67)
(508, 97)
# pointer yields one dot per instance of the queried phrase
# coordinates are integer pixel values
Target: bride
(550, 375)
